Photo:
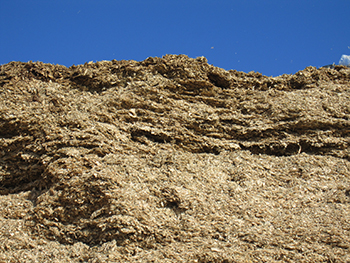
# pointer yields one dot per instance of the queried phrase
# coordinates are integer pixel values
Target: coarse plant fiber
(173, 160)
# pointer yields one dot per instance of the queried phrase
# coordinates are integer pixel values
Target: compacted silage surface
(173, 160)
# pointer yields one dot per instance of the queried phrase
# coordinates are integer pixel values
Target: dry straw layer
(173, 160)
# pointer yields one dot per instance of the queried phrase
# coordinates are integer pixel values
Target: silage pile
(173, 160)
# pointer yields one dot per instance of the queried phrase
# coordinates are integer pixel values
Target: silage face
(172, 154)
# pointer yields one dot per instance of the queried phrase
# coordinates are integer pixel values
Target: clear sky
(268, 36)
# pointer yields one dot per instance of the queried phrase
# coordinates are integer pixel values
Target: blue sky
(272, 37)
